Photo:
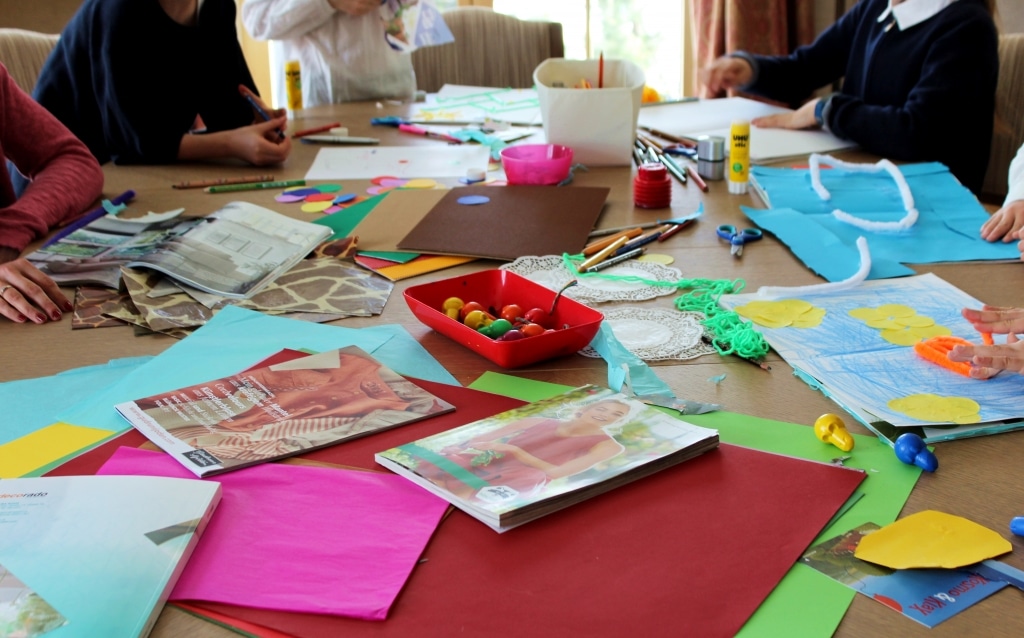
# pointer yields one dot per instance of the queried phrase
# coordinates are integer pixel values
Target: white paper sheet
(713, 117)
(398, 161)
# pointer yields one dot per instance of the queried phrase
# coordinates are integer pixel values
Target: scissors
(738, 237)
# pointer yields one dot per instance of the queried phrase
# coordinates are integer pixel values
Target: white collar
(911, 12)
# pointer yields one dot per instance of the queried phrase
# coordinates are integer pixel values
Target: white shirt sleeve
(1016, 178)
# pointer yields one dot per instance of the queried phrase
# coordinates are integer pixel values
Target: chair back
(23, 53)
(490, 49)
(1008, 134)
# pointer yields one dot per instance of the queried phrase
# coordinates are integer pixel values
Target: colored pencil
(231, 188)
(697, 179)
(203, 183)
(316, 129)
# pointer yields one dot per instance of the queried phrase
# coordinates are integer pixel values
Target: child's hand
(727, 72)
(987, 361)
(259, 145)
(1005, 223)
(801, 118)
(995, 320)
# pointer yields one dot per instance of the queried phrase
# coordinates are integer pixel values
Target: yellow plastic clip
(831, 429)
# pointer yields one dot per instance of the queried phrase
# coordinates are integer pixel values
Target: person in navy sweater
(158, 81)
(919, 81)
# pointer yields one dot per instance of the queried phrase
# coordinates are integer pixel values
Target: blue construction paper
(950, 216)
(818, 247)
(32, 404)
(234, 340)
(624, 366)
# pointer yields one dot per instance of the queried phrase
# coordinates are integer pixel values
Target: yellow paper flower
(932, 407)
(899, 324)
(785, 312)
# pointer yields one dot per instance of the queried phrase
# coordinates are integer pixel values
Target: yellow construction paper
(932, 407)
(908, 336)
(785, 312)
(931, 539)
(45, 446)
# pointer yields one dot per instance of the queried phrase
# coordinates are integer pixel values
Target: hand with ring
(27, 294)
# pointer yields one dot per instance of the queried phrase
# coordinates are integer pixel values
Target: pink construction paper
(301, 539)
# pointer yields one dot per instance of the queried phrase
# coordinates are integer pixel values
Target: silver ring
(3, 290)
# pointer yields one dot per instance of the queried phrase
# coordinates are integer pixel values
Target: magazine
(279, 410)
(85, 556)
(522, 464)
(233, 252)
(928, 596)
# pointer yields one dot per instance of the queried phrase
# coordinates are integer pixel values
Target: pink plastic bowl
(536, 163)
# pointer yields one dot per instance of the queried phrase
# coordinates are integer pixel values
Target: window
(646, 32)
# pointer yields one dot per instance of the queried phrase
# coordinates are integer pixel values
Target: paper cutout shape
(846, 359)
(928, 596)
(931, 539)
(900, 324)
(782, 313)
(932, 407)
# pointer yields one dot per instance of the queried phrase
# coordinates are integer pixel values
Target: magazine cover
(928, 596)
(86, 556)
(518, 465)
(279, 410)
(234, 251)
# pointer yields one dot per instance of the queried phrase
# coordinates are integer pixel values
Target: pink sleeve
(66, 178)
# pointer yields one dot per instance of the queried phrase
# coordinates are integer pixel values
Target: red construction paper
(692, 550)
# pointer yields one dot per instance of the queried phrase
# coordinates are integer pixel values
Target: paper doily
(550, 272)
(655, 334)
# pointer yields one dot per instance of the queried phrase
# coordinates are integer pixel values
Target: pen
(594, 247)
(618, 259)
(697, 179)
(252, 186)
(203, 183)
(90, 217)
(262, 113)
(642, 240)
(645, 226)
(419, 130)
(674, 229)
(317, 129)
(603, 254)
(672, 167)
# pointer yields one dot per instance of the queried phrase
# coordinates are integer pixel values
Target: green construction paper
(344, 222)
(389, 255)
(806, 602)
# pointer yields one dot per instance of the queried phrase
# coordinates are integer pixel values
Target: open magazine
(233, 252)
(522, 464)
(279, 410)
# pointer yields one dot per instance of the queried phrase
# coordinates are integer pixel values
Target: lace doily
(550, 272)
(655, 334)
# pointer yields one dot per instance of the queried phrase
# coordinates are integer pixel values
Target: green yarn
(732, 335)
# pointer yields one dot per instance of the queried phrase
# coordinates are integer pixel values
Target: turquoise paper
(236, 339)
(947, 230)
(32, 404)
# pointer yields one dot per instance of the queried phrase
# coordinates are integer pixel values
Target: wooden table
(977, 478)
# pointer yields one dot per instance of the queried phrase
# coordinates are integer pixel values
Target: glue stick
(293, 85)
(739, 156)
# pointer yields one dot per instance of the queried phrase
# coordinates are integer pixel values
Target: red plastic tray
(496, 288)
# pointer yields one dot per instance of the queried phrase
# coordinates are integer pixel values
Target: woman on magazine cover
(529, 453)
